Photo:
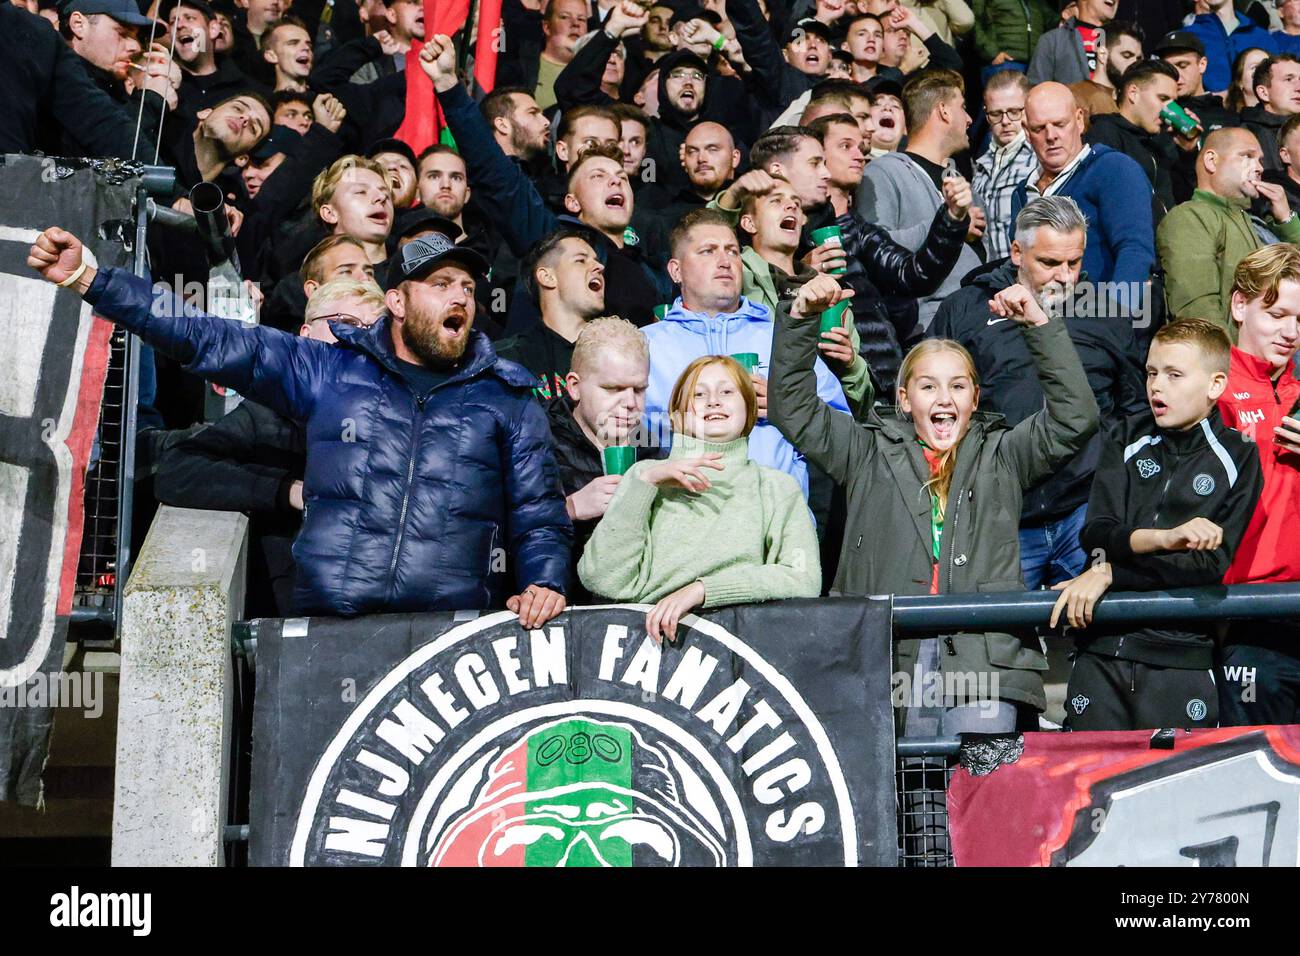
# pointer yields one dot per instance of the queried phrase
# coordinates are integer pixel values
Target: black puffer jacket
(880, 267)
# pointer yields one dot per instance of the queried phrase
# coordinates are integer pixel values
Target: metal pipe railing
(1014, 609)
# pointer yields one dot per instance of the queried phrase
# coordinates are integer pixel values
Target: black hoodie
(1155, 153)
(1266, 126)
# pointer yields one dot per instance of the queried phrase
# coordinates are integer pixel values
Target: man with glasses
(253, 459)
(1007, 162)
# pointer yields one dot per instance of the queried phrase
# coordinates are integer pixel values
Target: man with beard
(1202, 240)
(443, 186)
(205, 79)
(287, 47)
(1047, 259)
(1277, 84)
(566, 281)
(1124, 45)
(451, 461)
(710, 159)
(599, 196)
(519, 127)
(687, 94)
(902, 192)
(1137, 130)
(109, 36)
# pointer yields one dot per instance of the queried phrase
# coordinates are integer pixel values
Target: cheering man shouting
(427, 459)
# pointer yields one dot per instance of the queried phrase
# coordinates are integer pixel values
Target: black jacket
(42, 76)
(886, 279)
(1009, 382)
(246, 462)
(376, 109)
(1155, 153)
(580, 463)
(1266, 126)
(545, 353)
(1149, 477)
(197, 93)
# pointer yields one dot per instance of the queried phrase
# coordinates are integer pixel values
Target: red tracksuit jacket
(1253, 403)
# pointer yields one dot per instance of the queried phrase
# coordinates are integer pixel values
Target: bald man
(1111, 189)
(709, 157)
(1202, 240)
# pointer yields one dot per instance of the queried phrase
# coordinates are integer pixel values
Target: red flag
(423, 119)
(489, 44)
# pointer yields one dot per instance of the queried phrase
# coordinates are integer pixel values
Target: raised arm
(508, 197)
(830, 439)
(1044, 440)
(761, 51)
(897, 270)
(278, 370)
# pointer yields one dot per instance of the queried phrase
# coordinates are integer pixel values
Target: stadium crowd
(707, 302)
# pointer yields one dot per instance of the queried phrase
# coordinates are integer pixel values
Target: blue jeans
(1050, 553)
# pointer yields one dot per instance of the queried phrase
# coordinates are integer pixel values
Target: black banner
(52, 370)
(765, 738)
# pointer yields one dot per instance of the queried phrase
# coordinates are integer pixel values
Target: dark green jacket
(1011, 26)
(887, 539)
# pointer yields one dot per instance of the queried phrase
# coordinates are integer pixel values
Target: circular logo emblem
(488, 746)
(1203, 484)
(1196, 709)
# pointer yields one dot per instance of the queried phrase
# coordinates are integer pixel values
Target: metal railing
(106, 553)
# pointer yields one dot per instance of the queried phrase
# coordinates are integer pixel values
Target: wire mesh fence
(922, 774)
(97, 568)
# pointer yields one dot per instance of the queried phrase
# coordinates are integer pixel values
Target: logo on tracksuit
(1203, 485)
(1148, 467)
(1196, 709)
(1079, 703)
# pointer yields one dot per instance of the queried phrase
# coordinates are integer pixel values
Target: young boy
(1261, 659)
(1170, 502)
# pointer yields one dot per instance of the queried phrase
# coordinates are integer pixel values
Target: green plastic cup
(831, 235)
(1177, 117)
(747, 359)
(833, 317)
(619, 458)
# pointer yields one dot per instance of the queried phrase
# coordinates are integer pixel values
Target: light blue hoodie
(681, 337)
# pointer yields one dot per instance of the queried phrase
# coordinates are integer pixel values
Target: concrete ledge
(174, 717)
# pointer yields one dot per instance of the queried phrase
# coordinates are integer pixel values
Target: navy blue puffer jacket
(408, 496)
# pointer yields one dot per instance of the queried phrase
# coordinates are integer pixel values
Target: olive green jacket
(888, 547)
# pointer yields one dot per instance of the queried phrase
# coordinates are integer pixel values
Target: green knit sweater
(748, 538)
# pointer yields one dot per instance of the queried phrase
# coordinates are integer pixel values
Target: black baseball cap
(126, 12)
(202, 6)
(1179, 41)
(422, 219)
(392, 145)
(281, 139)
(419, 257)
(886, 82)
(808, 25)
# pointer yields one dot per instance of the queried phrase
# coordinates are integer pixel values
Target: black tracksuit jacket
(1150, 477)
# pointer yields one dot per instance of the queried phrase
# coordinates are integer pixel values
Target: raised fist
(56, 255)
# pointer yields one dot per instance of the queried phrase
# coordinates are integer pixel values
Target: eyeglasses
(343, 317)
(995, 116)
(695, 75)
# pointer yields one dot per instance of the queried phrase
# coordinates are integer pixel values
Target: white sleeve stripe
(1138, 445)
(1216, 446)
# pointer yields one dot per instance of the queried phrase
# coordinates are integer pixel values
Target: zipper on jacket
(1160, 501)
(406, 493)
(956, 513)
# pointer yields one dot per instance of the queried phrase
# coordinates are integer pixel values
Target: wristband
(71, 280)
(720, 42)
